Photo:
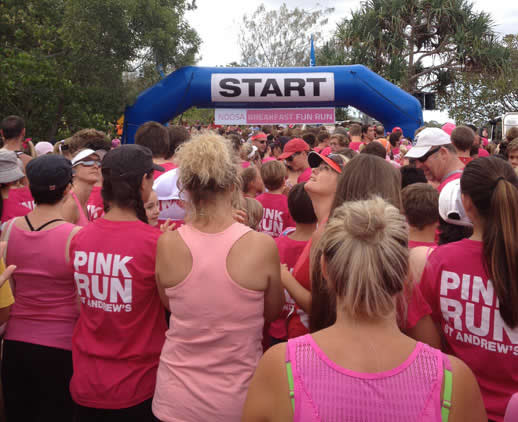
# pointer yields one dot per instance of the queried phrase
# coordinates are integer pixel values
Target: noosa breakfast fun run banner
(475, 318)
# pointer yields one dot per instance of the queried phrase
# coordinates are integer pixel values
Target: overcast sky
(218, 21)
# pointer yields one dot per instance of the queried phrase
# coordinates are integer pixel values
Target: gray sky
(218, 21)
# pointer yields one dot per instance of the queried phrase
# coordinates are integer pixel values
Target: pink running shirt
(83, 218)
(120, 331)
(276, 215)
(464, 302)
(213, 345)
(19, 203)
(327, 392)
(45, 310)
(95, 204)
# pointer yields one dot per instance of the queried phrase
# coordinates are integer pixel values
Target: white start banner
(272, 87)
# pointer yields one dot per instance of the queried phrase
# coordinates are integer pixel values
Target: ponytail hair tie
(498, 180)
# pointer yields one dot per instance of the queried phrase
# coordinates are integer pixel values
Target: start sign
(272, 87)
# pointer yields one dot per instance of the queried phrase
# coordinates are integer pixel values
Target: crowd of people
(259, 274)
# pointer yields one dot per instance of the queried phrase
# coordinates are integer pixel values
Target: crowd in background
(260, 274)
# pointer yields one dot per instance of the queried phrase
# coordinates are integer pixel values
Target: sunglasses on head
(428, 154)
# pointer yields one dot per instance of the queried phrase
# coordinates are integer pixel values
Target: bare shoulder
(467, 403)
(171, 243)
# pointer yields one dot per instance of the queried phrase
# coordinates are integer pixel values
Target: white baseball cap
(167, 189)
(426, 140)
(451, 209)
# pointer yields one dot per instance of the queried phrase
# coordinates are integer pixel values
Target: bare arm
(4, 314)
(467, 403)
(300, 295)
(268, 394)
(274, 294)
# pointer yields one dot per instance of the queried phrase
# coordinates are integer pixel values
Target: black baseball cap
(130, 160)
(49, 172)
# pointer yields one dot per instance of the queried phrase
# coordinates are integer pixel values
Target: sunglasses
(291, 157)
(428, 154)
(90, 163)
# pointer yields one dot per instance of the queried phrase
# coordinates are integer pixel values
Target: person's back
(362, 367)
(216, 325)
(37, 357)
(120, 331)
(276, 217)
(221, 280)
(335, 393)
(470, 284)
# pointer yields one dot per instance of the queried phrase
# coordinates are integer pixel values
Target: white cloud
(218, 22)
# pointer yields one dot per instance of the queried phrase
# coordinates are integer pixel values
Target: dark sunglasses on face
(291, 157)
(428, 154)
(90, 163)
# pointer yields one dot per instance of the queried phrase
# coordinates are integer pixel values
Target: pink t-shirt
(464, 302)
(305, 175)
(95, 204)
(120, 332)
(166, 166)
(483, 153)
(45, 310)
(276, 215)
(19, 203)
(355, 146)
(289, 252)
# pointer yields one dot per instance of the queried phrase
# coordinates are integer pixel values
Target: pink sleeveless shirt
(325, 391)
(213, 344)
(83, 218)
(46, 307)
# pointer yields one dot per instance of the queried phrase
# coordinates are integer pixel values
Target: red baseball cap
(293, 146)
(397, 129)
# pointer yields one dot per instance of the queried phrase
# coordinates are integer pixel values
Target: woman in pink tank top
(37, 357)
(220, 280)
(120, 332)
(362, 367)
(87, 165)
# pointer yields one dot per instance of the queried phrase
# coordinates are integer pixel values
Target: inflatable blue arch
(246, 88)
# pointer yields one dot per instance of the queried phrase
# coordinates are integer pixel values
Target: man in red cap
(259, 140)
(295, 154)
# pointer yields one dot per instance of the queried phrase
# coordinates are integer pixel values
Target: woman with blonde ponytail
(362, 367)
(472, 285)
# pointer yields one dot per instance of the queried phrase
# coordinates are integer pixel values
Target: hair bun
(367, 223)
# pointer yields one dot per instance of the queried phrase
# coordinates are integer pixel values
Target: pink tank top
(324, 391)
(46, 307)
(213, 344)
(83, 218)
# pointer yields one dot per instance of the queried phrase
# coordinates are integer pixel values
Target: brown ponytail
(492, 185)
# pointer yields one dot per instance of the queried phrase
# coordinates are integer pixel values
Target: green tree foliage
(479, 97)
(62, 61)
(280, 38)
(417, 44)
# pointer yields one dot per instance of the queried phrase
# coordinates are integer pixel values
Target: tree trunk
(57, 120)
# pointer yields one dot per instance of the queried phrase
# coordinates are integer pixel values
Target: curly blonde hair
(207, 167)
